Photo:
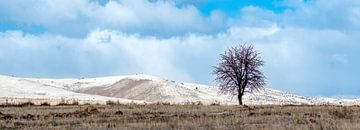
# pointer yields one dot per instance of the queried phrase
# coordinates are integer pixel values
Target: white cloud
(77, 18)
(307, 48)
(294, 56)
(323, 14)
(140, 54)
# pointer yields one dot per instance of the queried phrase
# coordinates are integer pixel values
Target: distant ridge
(146, 88)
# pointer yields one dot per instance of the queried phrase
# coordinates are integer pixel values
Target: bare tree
(239, 71)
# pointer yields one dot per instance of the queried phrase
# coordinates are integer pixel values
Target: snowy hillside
(23, 88)
(143, 88)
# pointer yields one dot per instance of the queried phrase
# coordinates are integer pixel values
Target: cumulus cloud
(78, 18)
(102, 52)
(322, 14)
(306, 48)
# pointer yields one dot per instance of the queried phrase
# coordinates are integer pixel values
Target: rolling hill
(143, 88)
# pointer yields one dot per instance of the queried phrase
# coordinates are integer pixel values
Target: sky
(310, 47)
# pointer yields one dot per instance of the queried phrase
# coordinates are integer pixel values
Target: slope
(140, 88)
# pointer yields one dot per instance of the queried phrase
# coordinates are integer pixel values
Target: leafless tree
(239, 71)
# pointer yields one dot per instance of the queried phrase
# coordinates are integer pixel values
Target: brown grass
(189, 116)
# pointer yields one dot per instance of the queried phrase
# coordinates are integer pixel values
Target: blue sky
(310, 47)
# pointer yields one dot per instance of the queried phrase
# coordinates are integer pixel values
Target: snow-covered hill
(19, 89)
(143, 88)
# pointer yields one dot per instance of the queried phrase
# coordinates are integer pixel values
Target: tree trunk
(240, 99)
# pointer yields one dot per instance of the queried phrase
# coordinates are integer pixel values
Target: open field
(179, 116)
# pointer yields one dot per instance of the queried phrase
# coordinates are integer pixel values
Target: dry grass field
(166, 116)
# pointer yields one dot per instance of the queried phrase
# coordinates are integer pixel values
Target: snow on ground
(23, 88)
(144, 88)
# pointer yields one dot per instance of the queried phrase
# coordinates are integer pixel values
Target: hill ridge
(147, 88)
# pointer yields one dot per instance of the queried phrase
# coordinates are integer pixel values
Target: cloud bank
(306, 49)
(80, 17)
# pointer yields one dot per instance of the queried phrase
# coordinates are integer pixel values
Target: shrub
(25, 104)
(91, 110)
(109, 102)
(45, 104)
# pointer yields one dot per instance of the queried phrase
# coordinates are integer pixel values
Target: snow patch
(146, 88)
